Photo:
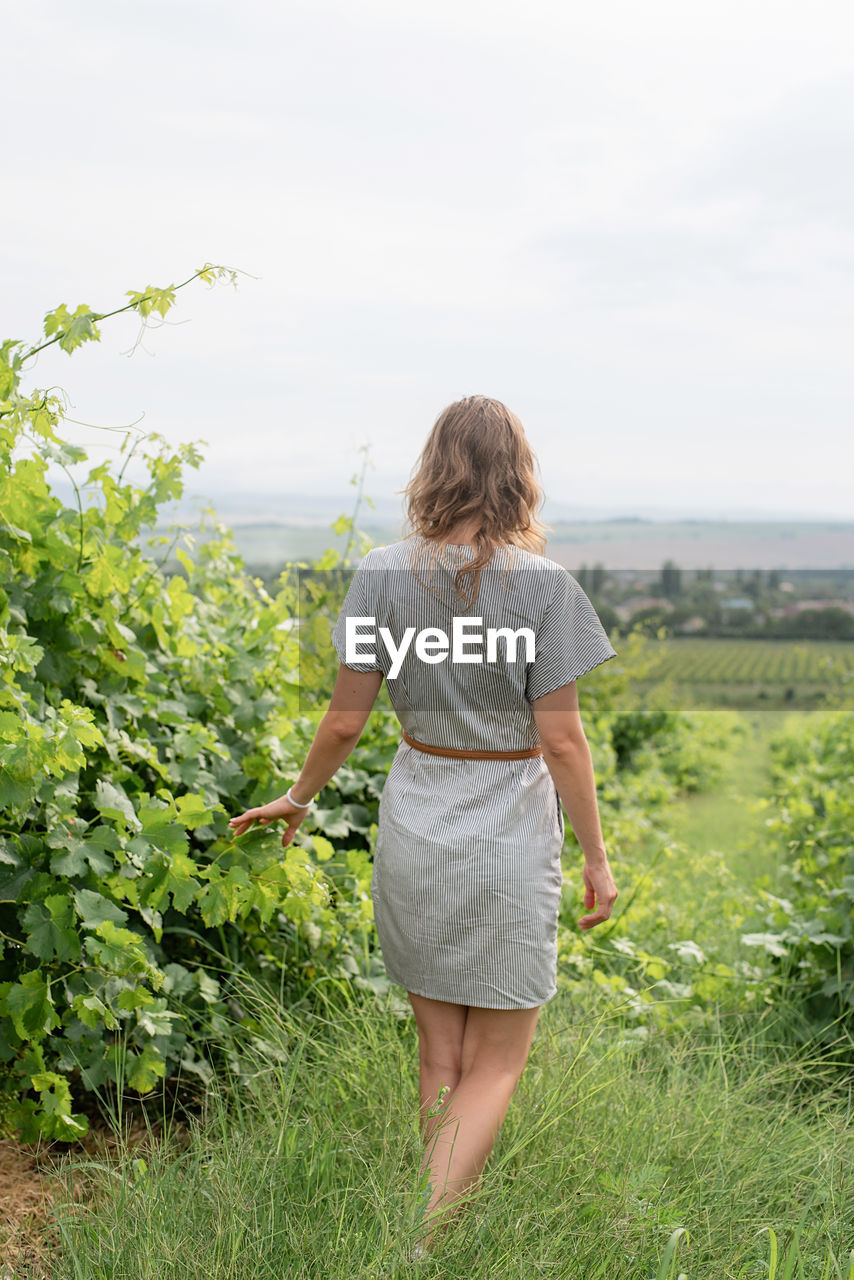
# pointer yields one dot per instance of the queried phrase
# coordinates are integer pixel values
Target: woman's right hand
(599, 892)
(267, 813)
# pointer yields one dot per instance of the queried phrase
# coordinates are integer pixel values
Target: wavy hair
(476, 466)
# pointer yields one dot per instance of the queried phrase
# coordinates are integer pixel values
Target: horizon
(313, 508)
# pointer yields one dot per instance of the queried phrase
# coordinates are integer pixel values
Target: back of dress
(467, 876)
(472, 694)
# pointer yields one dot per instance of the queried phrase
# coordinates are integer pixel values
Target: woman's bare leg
(440, 1049)
(495, 1048)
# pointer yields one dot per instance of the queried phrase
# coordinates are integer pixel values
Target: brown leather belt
(524, 754)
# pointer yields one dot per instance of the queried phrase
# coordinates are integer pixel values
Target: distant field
(757, 672)
(642, 544)
(704, 544)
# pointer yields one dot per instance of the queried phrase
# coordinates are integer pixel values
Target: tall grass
(709, 1150)
(706, 1156)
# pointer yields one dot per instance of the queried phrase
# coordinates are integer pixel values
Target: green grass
(717, 1151)
(309, 1168)
(727, 819)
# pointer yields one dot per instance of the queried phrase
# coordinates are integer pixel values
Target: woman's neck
(460, 536)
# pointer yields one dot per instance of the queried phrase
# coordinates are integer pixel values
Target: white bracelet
(292, 801)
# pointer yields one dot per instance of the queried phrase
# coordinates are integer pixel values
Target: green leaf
(8, 856)
(112, 801)
(93, 909)
(80, 854)
(771, 942)
(15, 792)
(92, 1011)
(135, 998)
(357, 816)
(51, 931)
(152, 299)
(121, 951)
(333, 821)
(56, 320)
(15, 532)
(10, 1041)
(160, 825)
(181, 884)
(145, 1069)
(63, 453)
(179, 980)
(30, 1007)
(74, 328)
(193, 811)
(172, 875)
(223, 897)
(156, 1020)
(163, 831)
(12, 882)
(323, 848)
(57, 1120)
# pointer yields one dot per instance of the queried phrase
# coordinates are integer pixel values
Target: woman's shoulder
(537, 568)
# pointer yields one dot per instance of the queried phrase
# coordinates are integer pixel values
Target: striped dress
(467, 872)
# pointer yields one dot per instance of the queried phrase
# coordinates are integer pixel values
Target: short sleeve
(358, 603)
(569, 642)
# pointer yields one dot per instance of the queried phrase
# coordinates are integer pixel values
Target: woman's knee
(442, 1061)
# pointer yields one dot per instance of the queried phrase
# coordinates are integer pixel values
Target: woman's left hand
(281, 808)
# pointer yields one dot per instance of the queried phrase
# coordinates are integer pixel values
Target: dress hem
(428, 996)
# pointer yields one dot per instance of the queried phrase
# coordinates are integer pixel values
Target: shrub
(810, 931)
(138, 711)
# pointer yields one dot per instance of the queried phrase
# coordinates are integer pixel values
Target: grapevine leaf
(120, 951)
(93, 909)
(145, 1069)
(324, 848)
(80, 854)
(51, 931)
(57, 1121)
(12, 882)
(91, 1011)
(193, 811)
(112, 802)
(29, 1005)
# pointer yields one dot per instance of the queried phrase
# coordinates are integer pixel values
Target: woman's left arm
(340, 729)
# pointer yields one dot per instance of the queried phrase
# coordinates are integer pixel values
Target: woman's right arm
(566, 752)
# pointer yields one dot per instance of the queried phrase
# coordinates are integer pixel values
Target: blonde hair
(476, 465)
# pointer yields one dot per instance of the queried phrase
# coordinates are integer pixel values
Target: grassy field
(608, 1149)
(727, 821)
(754, 673)
(719, 1152)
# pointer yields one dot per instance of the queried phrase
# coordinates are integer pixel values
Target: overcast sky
(633, 223)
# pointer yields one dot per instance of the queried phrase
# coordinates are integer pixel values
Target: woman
(467, 873)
